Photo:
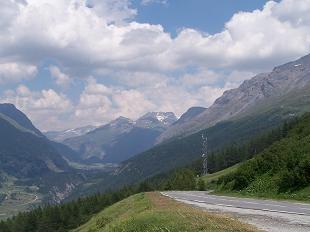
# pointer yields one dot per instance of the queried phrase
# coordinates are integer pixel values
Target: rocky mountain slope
(121, 138)
(189, 115)
(233, 103)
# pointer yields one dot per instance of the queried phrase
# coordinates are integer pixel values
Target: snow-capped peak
(156, 119)
(161, 116)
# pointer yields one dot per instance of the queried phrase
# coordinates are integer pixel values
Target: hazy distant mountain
(121, 138)
(264, 88)
(60, 136)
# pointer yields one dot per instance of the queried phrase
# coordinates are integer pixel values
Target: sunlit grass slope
(154, 212)
(212, 178)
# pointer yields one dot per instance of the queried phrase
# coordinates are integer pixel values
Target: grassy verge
(153, 212)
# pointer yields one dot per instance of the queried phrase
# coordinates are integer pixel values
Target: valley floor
(15, 199)
(155, 212)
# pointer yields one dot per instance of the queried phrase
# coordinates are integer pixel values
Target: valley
(17, 198)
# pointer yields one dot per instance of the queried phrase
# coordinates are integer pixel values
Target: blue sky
(206, 15)
(70, 63)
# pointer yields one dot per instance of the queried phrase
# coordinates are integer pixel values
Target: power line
(204, 154)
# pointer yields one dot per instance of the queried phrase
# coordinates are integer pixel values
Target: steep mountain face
(190, 114)
(59, 136)
(24, 153)
(31, 158)
(263, 88)
(10, 112)
(121, 138)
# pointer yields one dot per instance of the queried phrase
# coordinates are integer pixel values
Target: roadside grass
(152, 212)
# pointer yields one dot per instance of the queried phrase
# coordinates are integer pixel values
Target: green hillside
(280, 171)
(212, 178)
(153, 212)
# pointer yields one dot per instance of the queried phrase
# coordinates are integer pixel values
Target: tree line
(285, 164)
(67, 216)
(236, 153)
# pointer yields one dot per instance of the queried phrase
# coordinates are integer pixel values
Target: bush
(201, 186)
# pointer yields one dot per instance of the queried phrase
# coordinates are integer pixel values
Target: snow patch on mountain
(60, 136)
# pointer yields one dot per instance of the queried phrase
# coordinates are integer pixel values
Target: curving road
(267, 215)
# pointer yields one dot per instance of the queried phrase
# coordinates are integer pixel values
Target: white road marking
(248, 202)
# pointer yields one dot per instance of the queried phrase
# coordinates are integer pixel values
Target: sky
(71, 63)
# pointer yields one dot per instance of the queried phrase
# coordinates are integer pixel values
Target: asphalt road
(243, 203)
(267, 215)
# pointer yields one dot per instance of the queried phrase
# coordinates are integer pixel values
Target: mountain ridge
(11, 112)
(19, 137)
(280, 81)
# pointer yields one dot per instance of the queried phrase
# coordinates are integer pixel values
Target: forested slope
(283, 169)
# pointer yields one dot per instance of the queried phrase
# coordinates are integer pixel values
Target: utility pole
(204, 154)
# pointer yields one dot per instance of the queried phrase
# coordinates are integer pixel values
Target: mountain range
(122, 138)
(258, 105)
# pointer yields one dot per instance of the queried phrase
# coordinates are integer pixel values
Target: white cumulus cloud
(132, 63)
(147, 2)
(61, 78)
(46, 108)
(15, 72)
